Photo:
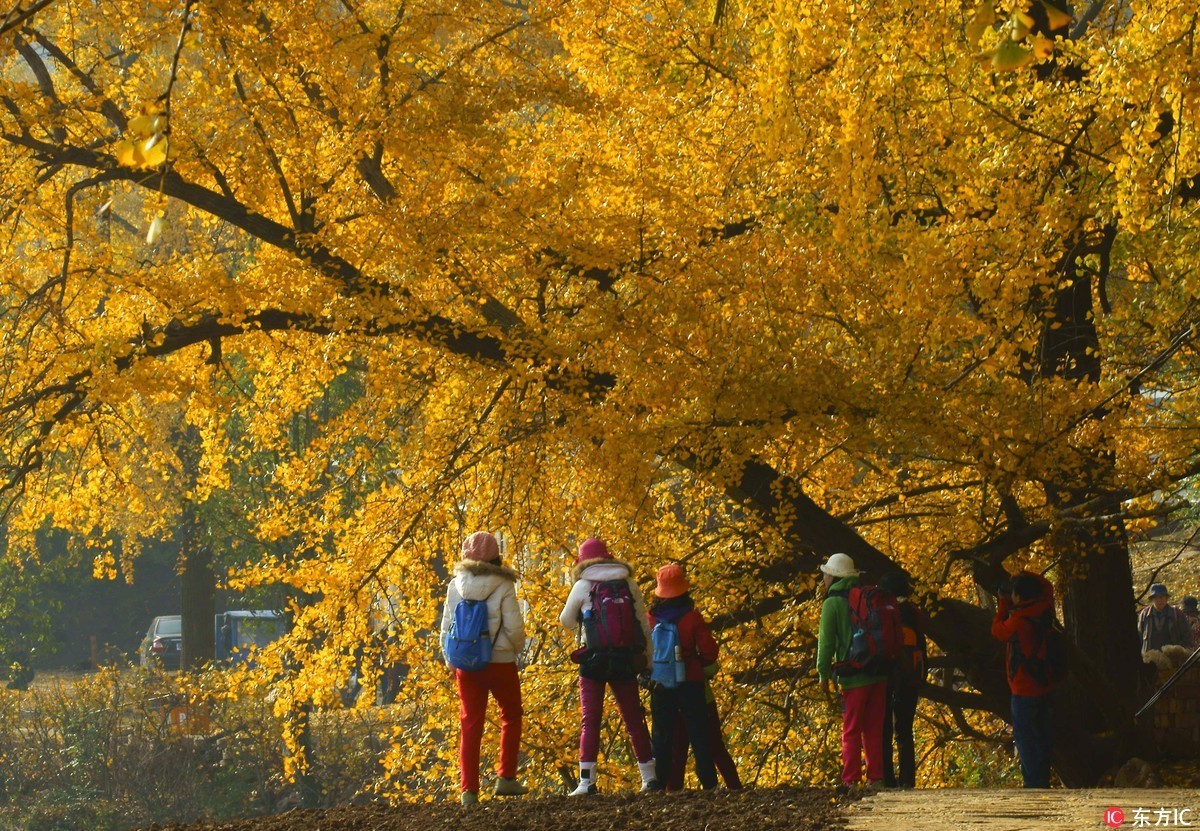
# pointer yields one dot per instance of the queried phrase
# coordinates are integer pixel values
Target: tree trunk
(198, 586)
(1095, 726)
(198, 581)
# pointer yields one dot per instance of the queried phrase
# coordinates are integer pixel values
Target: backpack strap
(500, 622)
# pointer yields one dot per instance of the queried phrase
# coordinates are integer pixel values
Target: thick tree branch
(20, 13)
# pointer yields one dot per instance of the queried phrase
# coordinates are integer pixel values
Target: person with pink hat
(683, 648)
(479, 578)
(605, 600)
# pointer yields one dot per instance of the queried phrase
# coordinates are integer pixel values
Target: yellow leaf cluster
(573, 269)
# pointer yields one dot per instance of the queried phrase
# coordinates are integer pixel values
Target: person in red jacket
(1024, 612)
(673, 604)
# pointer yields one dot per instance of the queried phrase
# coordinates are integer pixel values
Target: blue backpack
(467, 643)
(668, 670)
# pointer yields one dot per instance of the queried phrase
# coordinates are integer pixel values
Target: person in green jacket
(863, 695)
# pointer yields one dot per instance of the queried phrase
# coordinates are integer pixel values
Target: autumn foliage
(735, 284)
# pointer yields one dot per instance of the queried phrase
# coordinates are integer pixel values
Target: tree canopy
(734, 284)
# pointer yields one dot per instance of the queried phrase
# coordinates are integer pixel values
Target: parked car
(163, 645)
(237, 633)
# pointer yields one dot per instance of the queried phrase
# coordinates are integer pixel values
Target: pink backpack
(611, 623)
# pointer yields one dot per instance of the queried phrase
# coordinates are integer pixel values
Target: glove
(712, 669)
(647, 683)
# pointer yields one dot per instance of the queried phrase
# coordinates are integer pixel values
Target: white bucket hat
(840, 565)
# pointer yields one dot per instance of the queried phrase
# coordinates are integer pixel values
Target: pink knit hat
(480, 546)
(672, 582)
(592, 549)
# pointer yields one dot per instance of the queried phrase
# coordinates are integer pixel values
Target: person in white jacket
(595, 565)
(480, 576)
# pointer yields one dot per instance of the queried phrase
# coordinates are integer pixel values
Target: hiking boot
(509, 787)
(469, 798)
(586, 787)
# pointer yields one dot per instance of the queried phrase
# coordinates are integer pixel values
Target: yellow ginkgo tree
(735, 284)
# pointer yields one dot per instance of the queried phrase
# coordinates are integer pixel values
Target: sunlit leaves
(813, 235)
(148, 147)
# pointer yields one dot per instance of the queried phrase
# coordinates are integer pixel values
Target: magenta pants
(591, 704)
(862, 732)
(504, 685)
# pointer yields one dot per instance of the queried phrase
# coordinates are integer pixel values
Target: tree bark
(1095, 724)
(198, 581)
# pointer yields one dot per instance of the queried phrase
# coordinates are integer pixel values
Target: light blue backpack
(668, 670)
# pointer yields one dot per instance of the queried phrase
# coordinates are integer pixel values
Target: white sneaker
(586, 787)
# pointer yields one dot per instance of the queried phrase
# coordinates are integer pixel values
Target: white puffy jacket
(479, 580)
(589, 573)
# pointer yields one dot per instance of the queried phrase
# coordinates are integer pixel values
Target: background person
(593, 566)
(480, 576)
(903, 688)
(1190, 611)
(1022, 609)
(1161, 624)
(673, 604)
(862, 693)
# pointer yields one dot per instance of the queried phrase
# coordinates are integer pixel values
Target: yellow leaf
(127, 153)
(984, 17)
(154, 151)
(1056, 17)
(1021, 24)
(1010, 55)
(1042, 47)
(145, 125)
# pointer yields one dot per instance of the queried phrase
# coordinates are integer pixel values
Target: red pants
(591, 704)
(502, 682)
(862, 731)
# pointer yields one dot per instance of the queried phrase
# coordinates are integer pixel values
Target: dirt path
(1020, 810)
(774, 809)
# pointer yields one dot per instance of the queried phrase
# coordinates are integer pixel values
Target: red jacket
(1012, 625)
(695, 638)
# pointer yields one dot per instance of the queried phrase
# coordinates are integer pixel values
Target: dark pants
(716, 745)
(898, 720)
(686, 701)
(1033, 732)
